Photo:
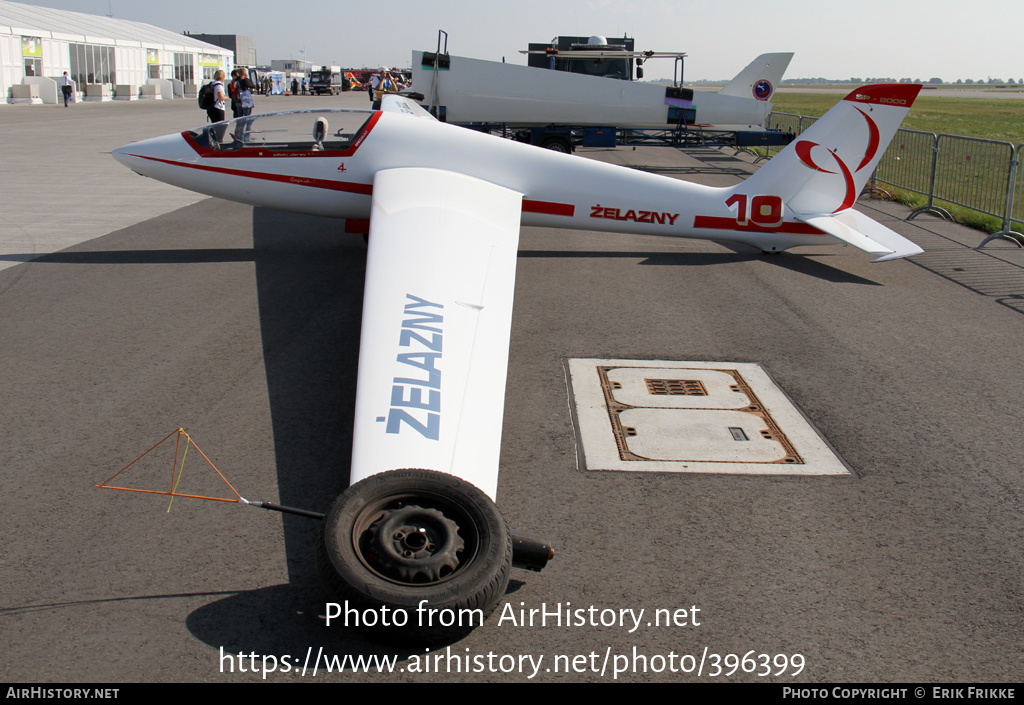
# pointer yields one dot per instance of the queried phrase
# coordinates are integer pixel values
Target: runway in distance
(418, 529)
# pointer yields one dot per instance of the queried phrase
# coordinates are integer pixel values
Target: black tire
(557, 144)
(402, 537)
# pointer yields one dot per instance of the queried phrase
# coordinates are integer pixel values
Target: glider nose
(124, 154)
(146, 156)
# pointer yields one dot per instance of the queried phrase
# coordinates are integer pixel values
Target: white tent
(103, 51)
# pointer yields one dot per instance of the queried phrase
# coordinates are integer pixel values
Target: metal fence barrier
(973, 173)
(1015, 207)
(783, 122)
(977, 174)
(908, 162)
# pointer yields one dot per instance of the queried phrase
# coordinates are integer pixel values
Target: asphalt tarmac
(240, 325)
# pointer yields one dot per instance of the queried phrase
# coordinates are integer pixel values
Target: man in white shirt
(65, 87)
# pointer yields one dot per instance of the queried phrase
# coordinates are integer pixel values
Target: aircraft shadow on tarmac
(138, 256)
(740, 253)
(309, 280)
(280, 260)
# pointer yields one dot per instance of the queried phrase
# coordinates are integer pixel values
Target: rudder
(820, 175)
(759, 78)
(827, 167)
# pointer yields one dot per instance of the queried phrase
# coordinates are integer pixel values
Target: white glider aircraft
(417, 533)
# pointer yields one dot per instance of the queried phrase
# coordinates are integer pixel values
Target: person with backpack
(206, 97)
(241, 91)
(219, 97)
(211, 98)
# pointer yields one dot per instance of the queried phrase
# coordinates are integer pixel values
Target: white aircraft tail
(760, 78)
(820, 175)
(394, 103)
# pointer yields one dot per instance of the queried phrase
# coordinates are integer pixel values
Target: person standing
(242, 90)
(371, 87)
(387, 83)
(65, 87)
(232, 87)
(216, 113)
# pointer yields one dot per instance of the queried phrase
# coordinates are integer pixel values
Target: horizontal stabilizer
(861, 231)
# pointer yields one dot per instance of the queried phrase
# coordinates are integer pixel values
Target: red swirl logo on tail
(804, 148)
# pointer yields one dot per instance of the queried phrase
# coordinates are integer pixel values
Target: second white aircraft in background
(478, 91)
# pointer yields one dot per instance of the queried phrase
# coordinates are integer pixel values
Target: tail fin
(760, 78)
(821, 174)
(394, 103)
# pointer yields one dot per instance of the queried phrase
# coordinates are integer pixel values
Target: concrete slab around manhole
(696, 417)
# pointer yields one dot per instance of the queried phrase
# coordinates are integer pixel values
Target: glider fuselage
(253, 161)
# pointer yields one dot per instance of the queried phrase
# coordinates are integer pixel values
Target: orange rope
(173, 494)
(174, 471)
(139, 458)
(181, 471)
(177, 444)
(213, 466)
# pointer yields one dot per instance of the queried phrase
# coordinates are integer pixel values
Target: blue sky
(949, 39)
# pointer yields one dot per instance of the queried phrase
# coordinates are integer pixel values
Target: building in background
(297, 66)
(38, 44)
(243, 47)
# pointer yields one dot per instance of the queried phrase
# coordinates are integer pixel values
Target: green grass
(964, 216)
(986, 118)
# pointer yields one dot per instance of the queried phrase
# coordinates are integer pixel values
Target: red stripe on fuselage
(548, 208)
(542, 207)
(359, 226)
(347, 186)
(711, 223)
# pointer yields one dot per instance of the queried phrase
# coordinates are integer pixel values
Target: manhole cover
(700, 417)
